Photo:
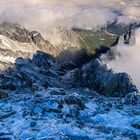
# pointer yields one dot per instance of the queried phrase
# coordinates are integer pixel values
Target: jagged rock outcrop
(18, 33)
(15, 32)
(49, 73)
(97, 76)
(28, 72)
(16, 41)
(3, 94)
(104, 81)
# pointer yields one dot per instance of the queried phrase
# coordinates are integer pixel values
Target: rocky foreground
(74, 114)
(41, 100)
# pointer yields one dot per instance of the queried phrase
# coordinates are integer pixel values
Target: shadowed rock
(97, 76)
(3, 94)
(44, 70)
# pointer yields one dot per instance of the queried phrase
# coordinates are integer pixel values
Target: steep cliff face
(16, 41)
(10, 50)
(15, 32)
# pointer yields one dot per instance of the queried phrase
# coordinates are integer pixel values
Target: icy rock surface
(75, 114)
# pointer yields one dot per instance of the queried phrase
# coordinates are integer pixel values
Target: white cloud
(43, 15)
(130, 60)
(130, 14)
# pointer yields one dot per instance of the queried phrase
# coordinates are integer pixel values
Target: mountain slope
(70, 47)
(41, 99)
(16, 41)
(44, 71)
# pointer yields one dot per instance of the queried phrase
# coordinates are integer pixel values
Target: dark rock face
(71, 60)
(96, 76)
(106, 82)
(136, 124)
(43, 70)
(132, 98)
(3, 94)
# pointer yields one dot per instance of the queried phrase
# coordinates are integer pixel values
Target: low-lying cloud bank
(130, 60)
(44, 15)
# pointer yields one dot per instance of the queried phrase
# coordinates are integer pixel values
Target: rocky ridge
(49, 73)
(16, 41)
